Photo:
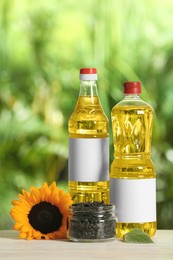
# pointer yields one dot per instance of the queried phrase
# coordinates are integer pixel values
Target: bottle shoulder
(132, 104)
(88, 108)
(88, 118)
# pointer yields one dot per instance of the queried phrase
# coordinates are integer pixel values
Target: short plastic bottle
(132, 174)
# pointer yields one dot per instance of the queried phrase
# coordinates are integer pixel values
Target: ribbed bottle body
(132, 174)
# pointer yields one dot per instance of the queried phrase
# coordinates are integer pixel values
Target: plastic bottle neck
(132, 96)
(88, 88)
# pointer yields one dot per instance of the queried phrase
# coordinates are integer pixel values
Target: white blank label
(88, 159)
(135, 200)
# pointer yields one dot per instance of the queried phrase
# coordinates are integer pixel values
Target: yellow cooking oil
(88, 121)
(132, 121)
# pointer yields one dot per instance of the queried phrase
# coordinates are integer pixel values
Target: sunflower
(41, 213)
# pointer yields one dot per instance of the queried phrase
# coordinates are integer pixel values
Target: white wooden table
(13, 248)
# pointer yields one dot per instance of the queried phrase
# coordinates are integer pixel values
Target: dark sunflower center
(45, 217)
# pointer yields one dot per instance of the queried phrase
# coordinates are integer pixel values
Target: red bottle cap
(88, 74)
(132, 87)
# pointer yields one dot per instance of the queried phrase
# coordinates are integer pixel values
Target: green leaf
(137, 236)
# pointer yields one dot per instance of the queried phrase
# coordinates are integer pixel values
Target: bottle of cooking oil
(132, 175)
(88, 165)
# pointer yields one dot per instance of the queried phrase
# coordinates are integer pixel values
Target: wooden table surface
(13, 248)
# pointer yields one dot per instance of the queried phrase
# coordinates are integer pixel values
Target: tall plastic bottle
(132, 174)
(88, 165)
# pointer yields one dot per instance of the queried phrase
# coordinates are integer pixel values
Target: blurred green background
(43, 44)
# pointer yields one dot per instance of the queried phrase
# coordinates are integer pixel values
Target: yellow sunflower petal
(53, 186)
(61, 193)
(64, 204)
(20, 209)
(19, 217)
(54, 198)
(22, 235)
(29, 237)
(35, 195)
(18, 226)
(24, 201)
(26, 195)
(22, 204)
(15, 202)
(25, 228)
(29, 234)
(45, 192)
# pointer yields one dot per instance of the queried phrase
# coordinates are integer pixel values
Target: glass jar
(92, 222)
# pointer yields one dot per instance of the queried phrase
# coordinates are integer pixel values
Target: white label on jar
(88, 159)
(135, 200)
